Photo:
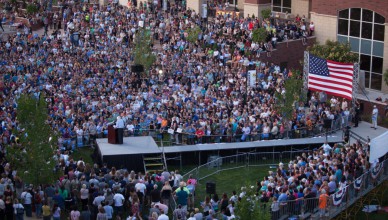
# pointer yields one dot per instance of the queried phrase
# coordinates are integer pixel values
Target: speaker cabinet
(210, 188)
(137, 68)
(327, 123)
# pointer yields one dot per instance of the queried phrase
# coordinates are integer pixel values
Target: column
(254, 7)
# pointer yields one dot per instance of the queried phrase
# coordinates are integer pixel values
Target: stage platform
(130, 154)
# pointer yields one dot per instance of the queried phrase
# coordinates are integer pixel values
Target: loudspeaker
(327, 123)
(210, 188)
(137, 68)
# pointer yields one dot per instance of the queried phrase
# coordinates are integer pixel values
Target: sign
(251, 77)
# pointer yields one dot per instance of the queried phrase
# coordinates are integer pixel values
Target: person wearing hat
(375, 113)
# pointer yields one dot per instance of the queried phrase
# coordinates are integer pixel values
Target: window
(281, 6)
(364, 30)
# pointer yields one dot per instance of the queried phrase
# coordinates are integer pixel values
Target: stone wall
(300, 7)
(325, 27)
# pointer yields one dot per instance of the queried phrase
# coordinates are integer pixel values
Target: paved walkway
(364, 130)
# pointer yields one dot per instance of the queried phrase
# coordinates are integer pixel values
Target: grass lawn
(85, 153)
(229, 180)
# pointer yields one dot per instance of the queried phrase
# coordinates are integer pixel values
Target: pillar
(254, 7)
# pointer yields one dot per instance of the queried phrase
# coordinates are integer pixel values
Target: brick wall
(292, 55)
(368, 108)
(330, 7)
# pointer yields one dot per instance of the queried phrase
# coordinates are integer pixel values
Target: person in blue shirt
(283, 196)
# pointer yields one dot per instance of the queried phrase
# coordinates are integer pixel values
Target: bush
(31, 9)
(259, 35)
(266, 13)
(385, 76)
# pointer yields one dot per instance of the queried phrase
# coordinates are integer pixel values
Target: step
(154, 171)
(153, 164)
(152, 158)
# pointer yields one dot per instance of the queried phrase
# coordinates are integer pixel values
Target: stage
(130, 154)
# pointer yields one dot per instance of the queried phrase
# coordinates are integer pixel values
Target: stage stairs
(154, 163)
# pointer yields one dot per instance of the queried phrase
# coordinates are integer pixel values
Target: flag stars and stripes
(329, 76)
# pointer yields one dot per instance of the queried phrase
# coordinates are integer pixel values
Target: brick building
(364, 24)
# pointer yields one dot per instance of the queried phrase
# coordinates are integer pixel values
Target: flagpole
(356, 71)
(306, 65)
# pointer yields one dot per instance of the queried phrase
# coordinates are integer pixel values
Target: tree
(250, 206)
(192, 34)
(32, 157)
(142, 51)
(31, 9)
(285, 102)
(259, 35)
(266, 13)
(385, 76)
(335, 51)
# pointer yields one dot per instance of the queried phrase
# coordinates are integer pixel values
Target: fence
(301, 208)
(164, 138)
(339, 202)
(219, 164)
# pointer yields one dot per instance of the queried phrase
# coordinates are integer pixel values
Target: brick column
(254, 7)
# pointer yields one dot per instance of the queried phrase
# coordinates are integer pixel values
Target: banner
(357, 183)
(338, 196)
(251, 77)
(376, 170)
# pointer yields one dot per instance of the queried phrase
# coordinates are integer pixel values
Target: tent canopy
(378, 147)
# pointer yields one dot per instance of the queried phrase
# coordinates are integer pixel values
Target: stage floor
(147, 145)
(131, 145)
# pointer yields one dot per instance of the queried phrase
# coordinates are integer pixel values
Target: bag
(20, 211)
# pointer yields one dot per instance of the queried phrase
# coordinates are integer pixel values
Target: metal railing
(302, 208)
(219, 164)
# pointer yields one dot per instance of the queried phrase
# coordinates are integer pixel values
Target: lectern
(112, 135)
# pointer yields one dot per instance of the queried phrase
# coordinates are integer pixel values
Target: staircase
(154, 163)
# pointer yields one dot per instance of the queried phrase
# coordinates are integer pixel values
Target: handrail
(357, 136)
(339, 201)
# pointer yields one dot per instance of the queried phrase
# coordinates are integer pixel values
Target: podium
(115, 135)
(112, 135)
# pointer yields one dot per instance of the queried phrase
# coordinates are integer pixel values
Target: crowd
(197, 89)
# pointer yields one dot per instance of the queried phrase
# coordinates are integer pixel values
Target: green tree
(385, 76)
(285, 102)
(192, 34)
(31, 8)
(335, 51)
(250, 207)
(259, 35)
(33, 156)
(142, 51)
(266, 13)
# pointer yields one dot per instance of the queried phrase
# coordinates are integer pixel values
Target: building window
(281, 6)
(233, 2)
(364, 30)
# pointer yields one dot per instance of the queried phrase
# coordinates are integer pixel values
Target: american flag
(331, 77)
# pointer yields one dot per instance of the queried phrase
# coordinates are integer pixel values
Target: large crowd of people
(83, 69)
(199, 90)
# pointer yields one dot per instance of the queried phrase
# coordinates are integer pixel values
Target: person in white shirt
(163, 216)
(375, 113)
(120, 129)
(118, 199)
(326, 148)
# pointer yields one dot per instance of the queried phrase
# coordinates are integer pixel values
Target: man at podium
(120, 129)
